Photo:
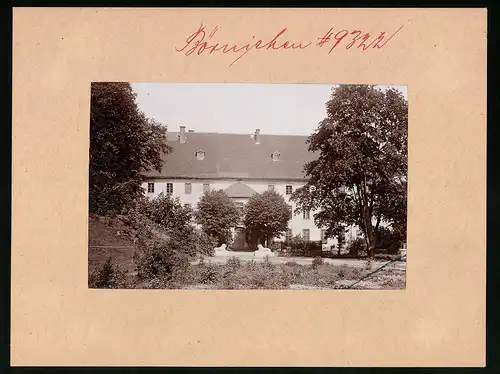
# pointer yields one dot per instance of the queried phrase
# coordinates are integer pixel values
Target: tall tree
(124, 143)
(360, 173)
(266, 216)
(168, 213)
(217, 214)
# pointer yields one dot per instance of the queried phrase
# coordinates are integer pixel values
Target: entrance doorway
(240, 243)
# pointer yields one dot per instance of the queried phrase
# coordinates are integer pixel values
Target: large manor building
(241, 165)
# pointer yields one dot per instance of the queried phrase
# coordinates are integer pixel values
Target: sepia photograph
(236, 186)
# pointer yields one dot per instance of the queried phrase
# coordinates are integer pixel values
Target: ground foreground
(243, 271)
(236, 274)
(112, 264)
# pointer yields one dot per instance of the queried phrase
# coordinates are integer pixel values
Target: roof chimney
(257, 136)
(182, 135)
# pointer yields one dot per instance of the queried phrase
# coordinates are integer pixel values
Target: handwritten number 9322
(199, 42)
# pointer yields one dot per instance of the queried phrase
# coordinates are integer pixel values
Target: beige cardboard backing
(438, 320)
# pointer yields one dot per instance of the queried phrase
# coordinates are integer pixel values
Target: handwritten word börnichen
(199, 42)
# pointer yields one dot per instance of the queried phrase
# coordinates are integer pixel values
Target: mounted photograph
(237, 186)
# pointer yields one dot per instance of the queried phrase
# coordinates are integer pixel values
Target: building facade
(241, 165)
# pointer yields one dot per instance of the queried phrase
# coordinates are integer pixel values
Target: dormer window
(200, 155)
(275, 156)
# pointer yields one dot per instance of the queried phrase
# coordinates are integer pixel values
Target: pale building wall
(297, 224)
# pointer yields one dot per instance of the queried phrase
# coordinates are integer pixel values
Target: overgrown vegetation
(297, 246)
(108, 275)
(237, 274)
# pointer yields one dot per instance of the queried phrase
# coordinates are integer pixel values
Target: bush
(107, 276)
(165, 219)
(265, 277)
(251, 265)
(301, 247)
(267, 264)
(230, 281)
(286, 277)
(388, 240)
(356, 247)
(162, 261)
(233, 263)
(342, 272)
(210, 274)
(317, 261)
(201, 243)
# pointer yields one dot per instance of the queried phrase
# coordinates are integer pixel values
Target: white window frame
(200, 154)
(308, 234)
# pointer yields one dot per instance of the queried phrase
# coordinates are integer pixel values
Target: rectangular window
(288, 189)
(288, 235)
(306, 214)
(151, 187)
(206, 187)
(290, 209)
(324, 239)
(270, 187)
(188, 188)
(305, 234)
(170, 188)
(239, 206)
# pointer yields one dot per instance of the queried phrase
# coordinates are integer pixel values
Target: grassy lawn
(237, 274)
(290, 275)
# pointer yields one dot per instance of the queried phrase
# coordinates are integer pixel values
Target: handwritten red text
(199, 42)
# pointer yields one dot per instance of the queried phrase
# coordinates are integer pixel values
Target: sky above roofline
(239, 108)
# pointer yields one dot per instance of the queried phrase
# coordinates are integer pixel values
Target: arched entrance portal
(240, 243)
(239, 192)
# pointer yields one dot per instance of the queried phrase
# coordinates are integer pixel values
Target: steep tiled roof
(239, 189)
(234, 156)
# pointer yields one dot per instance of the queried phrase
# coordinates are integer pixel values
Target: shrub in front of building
(356, 247)
(299, 247)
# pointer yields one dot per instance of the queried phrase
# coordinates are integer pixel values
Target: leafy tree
(168, 213)
(266, 216)
(124, 143)
(360, 173)
(217, 214)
